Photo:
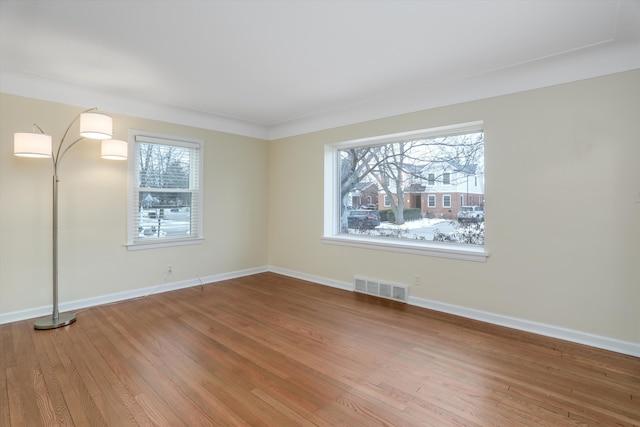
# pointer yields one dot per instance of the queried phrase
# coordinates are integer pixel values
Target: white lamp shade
(113, 149)
(95, 126)
(31, 145)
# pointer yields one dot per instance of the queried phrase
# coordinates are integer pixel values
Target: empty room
(320, 213)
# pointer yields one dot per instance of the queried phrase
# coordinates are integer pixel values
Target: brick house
(364, 193)
(439, 190)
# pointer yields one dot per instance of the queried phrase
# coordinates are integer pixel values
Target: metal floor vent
(382, 289)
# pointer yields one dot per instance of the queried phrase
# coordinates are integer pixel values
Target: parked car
(361, 218)
(370, 207)
(471, 214)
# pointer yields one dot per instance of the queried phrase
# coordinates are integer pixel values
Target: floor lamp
(93, 125)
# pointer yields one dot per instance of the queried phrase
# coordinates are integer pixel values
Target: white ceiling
(277, 68)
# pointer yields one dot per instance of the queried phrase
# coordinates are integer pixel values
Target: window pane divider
(166, 190)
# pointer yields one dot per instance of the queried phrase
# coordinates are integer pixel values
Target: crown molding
(596, 61)
(32, 86)
(602, 59)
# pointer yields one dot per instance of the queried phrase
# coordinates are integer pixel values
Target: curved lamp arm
(58, 157)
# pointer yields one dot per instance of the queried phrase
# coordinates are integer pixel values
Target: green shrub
(410, 214)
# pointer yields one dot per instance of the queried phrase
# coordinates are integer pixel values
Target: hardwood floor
(268, 350)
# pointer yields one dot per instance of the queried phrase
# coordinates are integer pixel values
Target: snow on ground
(412, 225)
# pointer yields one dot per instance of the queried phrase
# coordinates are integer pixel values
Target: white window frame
(387, 201)
(139, 136)
(431, 197)
(331, 233)
(444, 203)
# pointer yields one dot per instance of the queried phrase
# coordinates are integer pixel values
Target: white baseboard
(605, 343)
(123, 296)
(311, 278)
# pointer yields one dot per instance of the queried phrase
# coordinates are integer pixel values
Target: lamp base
(50, 322)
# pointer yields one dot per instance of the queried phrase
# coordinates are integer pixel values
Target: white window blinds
(165, 189)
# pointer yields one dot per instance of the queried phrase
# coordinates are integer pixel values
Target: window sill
(163, 244)
(461, 252)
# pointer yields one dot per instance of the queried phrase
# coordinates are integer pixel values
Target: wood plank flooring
(269, 350)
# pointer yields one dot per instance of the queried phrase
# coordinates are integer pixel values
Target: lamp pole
(56, 319)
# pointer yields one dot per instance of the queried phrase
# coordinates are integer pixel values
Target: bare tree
(458, 153)
(162, 166)
(390, 174)
(356, 164)
(395, 166)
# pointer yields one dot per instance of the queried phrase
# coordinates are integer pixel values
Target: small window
(165, 194)
(387, 201)
(446, 178)
(431, 200)
(431, 179)
(446, 200)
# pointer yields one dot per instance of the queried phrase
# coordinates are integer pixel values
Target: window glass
(165, 189)
(406, 170)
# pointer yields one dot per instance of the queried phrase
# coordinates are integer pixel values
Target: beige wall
(562, 193)
(93, 212)
(562, 209)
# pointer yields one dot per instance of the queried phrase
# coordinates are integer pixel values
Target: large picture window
(410, 172)
(165, 197)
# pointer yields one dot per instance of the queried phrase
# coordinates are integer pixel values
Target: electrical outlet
(169, 268)
(417, 281)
